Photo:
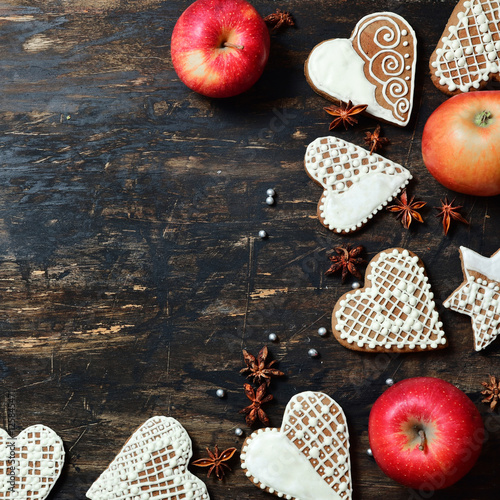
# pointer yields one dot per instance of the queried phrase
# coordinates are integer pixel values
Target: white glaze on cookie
(396, 310)
(376, 68)
(468, 53)
(356, 184)
(151, 465)
(308, 458)
(479, 296)
(30, 464)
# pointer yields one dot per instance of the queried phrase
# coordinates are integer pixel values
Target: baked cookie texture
(467, 56)
(376, 66)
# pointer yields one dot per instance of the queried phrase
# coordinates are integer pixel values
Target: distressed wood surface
(131, 272)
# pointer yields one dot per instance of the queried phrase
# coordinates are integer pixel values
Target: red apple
(220, 47)
(461, 143)
(425, 433)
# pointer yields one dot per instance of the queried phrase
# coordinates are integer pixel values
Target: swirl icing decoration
(376, 66)
(468, 53)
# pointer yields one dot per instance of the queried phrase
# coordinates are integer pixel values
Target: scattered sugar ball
(262, 234)
(369, 452)
(312, 353)
(270, 192)
(238, 431)
(273, 337)
(389, 382)
(220, 393)
(270, 200)
(355, 285)
(322, 331)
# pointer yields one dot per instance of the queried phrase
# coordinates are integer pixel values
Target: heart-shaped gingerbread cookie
(308, 457)
(356, 184)
(468, 53)
(151, 465)
(394, 312)
(376, 66)
(31, 463)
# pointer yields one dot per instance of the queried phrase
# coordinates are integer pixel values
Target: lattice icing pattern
(468, 53)
(30, 464)
(151, 466)
(395, 311)
(356, 184)
(479, 296)
(308, 458)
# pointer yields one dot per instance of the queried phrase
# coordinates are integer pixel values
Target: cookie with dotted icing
(479, 295)
(467, 56)
(356, 184)
(376, 66)
(393, 312)
(151, 466)
(30, 463)
(308, 457)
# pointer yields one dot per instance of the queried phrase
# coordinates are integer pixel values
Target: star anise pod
(492, 392)
(375, 141)
(346, 259)
(449, 211)
(254, 411)
(344, 114)
(216, 461)
(407, 209)
(258, 368)
(278, 19)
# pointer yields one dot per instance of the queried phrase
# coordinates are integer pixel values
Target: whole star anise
(375, 141)
(254, 411)
(407, 209)
(278, 19)
(216, 461)
(259, 369)
(344, 114)
(449, 211)
(346, 260)
(492, 392)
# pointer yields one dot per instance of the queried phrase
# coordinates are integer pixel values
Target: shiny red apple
(461, 143)
(425, 433)
(220, 47)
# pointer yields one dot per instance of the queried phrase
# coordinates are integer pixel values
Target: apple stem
(423, 438)
(483, 119)
(233, 46)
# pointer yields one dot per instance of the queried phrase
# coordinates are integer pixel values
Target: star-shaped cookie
(479, 295)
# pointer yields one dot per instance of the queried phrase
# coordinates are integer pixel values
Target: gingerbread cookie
(308, 457)
(31, 463)
(468, 53)
(356, 184)
(376, 66)
(394, 312)
(151, 465)
(479, 295)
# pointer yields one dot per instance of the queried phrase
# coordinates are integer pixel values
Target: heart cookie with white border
(30, 463)
(308, 457)
(376, 66)
(356, 184)
(394, 312)
(151, 465)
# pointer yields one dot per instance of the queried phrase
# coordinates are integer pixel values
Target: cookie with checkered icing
(393, 312)
(467, 55)
(308, 457)
(356, 184)
(151, 466)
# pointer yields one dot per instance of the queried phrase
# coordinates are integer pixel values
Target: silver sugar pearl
(238, 431)
(369, 452)
(220, 393)
(273, 337)
(262, 234)
(270, 200)
(270, 192)
(355, 285)
(322, 331)
(389, 382)
(312, 353)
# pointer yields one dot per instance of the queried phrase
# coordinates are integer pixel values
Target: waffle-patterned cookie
(356, 184)
(394, 312)
(151, 466)
(479, 295)
(308, 457)
(468, 53)
(376, 67)
(30, 464)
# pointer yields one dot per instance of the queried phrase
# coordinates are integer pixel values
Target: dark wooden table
(131, 271)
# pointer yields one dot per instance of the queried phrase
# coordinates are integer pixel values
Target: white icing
(356, 184)
(163, 440)
(302, 460)
(487, 266)
(451, 68)
(405, 321)
(339, 67)
(36, 458)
